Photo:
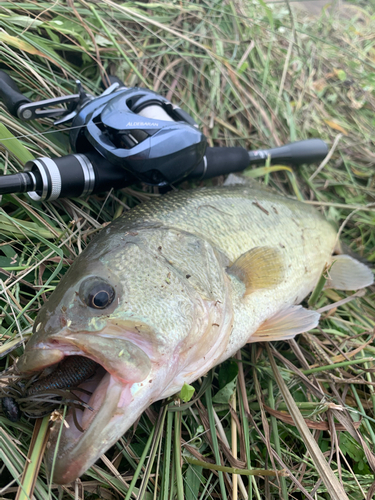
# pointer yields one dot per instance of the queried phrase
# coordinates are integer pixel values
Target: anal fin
(347, 273)
(286, 324)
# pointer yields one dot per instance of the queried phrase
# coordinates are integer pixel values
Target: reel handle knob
(10, 94)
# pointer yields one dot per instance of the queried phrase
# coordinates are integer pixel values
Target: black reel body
(125, 135)
(142, 132)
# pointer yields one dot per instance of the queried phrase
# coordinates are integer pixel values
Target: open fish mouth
(77, 447)
(107, 394)
(83, 390)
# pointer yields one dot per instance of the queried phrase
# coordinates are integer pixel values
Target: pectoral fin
(260, 267)
(347, 273)
(286, 324)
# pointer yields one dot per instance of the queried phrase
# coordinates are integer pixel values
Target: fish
(174, 287)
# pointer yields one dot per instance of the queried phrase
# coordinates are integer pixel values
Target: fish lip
(85, 343)
(78, 451)
(74, 457)
(71, 452)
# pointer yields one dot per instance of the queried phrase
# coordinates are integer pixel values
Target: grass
(252, 75)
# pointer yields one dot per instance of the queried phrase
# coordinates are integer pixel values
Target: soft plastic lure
(37, 397)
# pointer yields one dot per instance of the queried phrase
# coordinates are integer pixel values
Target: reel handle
(10, 94)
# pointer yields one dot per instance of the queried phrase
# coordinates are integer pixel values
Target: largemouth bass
(173, 288)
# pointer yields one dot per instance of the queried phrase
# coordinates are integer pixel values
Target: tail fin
(347, 273)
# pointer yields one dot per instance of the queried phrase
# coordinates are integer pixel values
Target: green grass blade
(167, 458)
(140, 464)
(214, 441)
(27, 486)
(333, 486)
(14, 146)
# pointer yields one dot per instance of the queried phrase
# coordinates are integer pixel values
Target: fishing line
(36, 134)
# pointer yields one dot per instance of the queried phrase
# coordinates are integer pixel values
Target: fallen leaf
(22, 45)
(320, 84)
(311, 424)
(336, 126)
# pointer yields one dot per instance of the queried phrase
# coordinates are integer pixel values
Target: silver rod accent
(88, 174)
(55, 175)
(31, 174)
(46, 166)
(204, 168)
(41, 168)
(133, 138)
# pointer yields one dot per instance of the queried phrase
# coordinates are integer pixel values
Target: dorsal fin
(260, 267)
(347, 273)
(235, 179)
(240, 179)
(286, 324)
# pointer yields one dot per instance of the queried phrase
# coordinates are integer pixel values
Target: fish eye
(96, 293)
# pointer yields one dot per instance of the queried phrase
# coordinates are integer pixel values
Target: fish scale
(193, 276)
(230, 217)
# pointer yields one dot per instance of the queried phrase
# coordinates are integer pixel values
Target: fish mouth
(70, 451)
(107, 396)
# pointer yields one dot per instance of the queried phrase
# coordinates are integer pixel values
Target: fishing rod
(124, 135)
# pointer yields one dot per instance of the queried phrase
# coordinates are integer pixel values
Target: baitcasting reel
(127, 134)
